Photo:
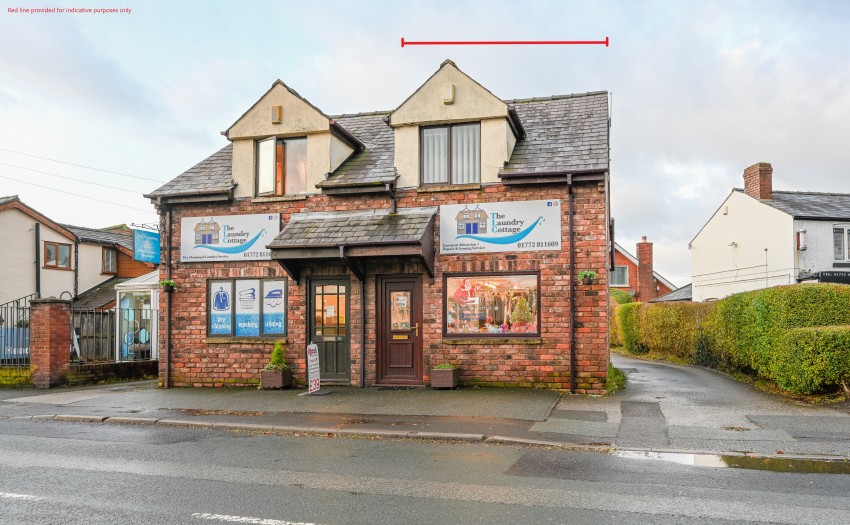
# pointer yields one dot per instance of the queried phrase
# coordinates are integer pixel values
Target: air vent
(448, 93)
(277, 114)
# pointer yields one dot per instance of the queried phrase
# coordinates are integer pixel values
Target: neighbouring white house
(43, 258)
(760, 238)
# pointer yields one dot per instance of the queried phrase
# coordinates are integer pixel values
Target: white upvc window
(841, 242)
(451, 154)
(620, 276)
(281, 166)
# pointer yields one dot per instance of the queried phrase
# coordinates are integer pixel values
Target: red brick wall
(545, 362)
(622, 260)
(50, 341)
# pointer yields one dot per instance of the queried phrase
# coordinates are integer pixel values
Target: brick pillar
(50, 341)
(646, 290)
(758, 181)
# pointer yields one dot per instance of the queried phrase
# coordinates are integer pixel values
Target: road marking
(246, 519)
(19, 496)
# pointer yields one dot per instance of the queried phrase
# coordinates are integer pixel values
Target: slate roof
(101, 237)
(375, 164)
(810, 204)
(567, 133)
(563, 133)
(211, 175)
(351, 228)
(10, 198)
(99, 295)
(681, 294)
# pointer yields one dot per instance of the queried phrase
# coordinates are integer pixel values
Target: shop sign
(221, 308)
(314, 381)
(146, 246)
(228, 237)
(520, 226)
(834, 277)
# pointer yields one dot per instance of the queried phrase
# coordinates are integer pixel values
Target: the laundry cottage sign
(521, 226)
(228, 237)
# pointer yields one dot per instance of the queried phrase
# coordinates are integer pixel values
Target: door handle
(417, 329)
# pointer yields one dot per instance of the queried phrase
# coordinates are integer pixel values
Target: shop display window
(246, 307)
(492, 305)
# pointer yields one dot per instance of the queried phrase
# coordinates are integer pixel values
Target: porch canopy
(353, 237)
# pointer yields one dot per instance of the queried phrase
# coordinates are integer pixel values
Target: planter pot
(168, 288)
(444, 377)
(587, 280)
(276, 379)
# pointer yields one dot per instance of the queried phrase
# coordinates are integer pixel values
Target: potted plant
(168, 285)
(277, 374)
(587, 276)
(444, 375)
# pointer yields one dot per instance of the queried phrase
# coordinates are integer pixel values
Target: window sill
(516, 340)
(225, 340)
(58, 268)
(841, 265)
(619, 286)
(108, 273)
(448, 187)
(281, 198)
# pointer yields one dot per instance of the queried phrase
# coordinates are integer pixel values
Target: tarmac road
(64, 472)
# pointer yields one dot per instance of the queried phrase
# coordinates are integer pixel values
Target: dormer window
(451, 154)
(281, 166)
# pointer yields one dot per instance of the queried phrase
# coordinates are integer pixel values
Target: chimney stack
(646, 289)
(758, 181)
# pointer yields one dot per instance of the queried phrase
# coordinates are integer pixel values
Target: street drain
(790, 465)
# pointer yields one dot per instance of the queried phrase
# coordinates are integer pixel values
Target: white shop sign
(228, 237)
(520, 226)
(314, 382)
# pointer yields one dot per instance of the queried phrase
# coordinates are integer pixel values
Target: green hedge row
(798, 336)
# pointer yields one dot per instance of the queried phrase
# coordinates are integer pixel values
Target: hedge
(620, 296)
(795, 335)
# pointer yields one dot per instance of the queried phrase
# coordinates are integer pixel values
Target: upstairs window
(451, 154)
(110, 260)
(620, 276)
(841, 243)
(57, 255)
(281, 166)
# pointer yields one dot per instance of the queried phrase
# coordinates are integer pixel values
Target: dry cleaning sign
(521, 226)
(228, 237)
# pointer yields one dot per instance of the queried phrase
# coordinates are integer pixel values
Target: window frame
(262, 281)
(103, 269)
(845, 242)
(449, 173)
(56, 265)
(623, 285)
(279, 182)
(487, 335)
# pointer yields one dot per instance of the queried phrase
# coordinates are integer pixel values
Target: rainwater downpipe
(363, 332)
(38, 260)
(168, 300)
(572, 288)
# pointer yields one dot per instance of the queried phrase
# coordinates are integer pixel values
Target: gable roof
(682, 294)
(634, 261)
(375, 164)
(810, 204)
(211, 176)
(107, 238)
(14, 202)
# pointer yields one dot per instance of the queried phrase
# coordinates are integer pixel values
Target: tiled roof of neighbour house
(101, 237)
(351, 228)
(212, 175)
(375, 164)
(566, 133)
(99, 295)
(810, 204)
(681, 294)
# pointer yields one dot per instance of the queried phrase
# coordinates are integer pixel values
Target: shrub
(672, 328)
(809, 360)
(630, 328)
(620, 296)
(277, 361)
(614, 331)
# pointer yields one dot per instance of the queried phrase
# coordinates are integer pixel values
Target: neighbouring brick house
(636, 275)
(343, 231)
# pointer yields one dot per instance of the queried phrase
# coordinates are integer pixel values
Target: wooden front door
(399, 319)
(327, 326)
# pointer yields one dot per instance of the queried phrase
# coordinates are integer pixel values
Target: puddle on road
(798, 466)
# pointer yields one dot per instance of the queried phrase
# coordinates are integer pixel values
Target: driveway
(673, 407)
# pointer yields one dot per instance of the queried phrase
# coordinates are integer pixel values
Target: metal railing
(15, 332)
(112, 335)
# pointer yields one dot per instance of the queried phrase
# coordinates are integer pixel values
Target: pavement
(664, 408)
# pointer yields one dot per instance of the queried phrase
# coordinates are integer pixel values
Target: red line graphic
(503, 42)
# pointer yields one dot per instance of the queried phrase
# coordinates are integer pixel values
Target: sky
(699, 91)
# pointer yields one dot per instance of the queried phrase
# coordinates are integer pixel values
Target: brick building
(449, 230)
(636, 275)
